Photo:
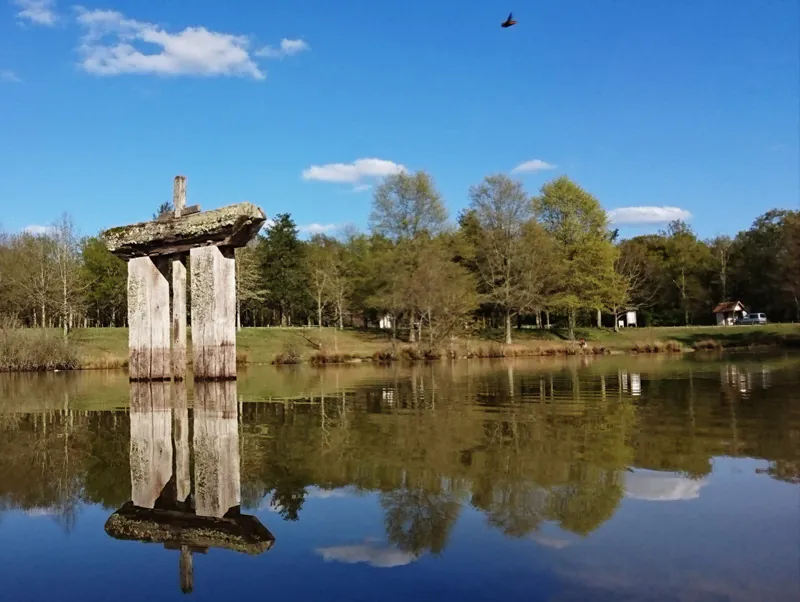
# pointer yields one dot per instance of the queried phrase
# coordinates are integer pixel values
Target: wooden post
(151, 441)
(213, 312)
(179, 195)
(178, 317)
(179, 289)
(180, 437)
(216, 448)
(186, 569)
(148, 320)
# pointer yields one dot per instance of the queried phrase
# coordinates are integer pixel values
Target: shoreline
(106, 349)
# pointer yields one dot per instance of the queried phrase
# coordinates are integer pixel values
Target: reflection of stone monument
(169, 507)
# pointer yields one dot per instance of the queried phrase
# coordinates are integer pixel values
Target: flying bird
(509, 22)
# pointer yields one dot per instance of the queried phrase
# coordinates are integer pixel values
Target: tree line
(512, 259)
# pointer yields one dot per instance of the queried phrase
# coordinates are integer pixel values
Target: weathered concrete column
(151, 441)
(213, 312)
(148, 319)
(216, 448)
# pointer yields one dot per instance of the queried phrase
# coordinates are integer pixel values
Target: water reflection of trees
(522, 446)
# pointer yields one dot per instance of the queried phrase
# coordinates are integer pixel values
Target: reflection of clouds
(383, 557)
(316, 492)
(33, 512)
(657, 486)
(550, 542)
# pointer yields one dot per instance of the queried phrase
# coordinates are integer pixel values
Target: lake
(608, 478)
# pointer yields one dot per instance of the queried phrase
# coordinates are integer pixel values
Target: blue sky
(299, 105)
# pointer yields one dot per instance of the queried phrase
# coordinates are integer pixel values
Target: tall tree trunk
(64, 309)
(319, 310)
(411, 333)
(547, 315)
(616, 321)
(508, 326)
(571, 320)
(340, 309)
(683, 298)
(599, 319)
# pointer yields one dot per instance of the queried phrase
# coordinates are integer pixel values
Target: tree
(33, 275)
(250, 285)
(442, 291)
(585, 253)
(758, 277)
(511, 252)
(408, 210)
(721, 248)
(67, 264)
(405, 206)
(164, 207)
(281, 254)
(688, 261)
(632, 288)
(106, 295)
(790, 259)
(318, 267)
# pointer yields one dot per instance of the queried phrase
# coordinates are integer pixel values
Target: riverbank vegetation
(27, 349)
(513, 273)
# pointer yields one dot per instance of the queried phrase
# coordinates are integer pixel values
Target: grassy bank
(36, 349)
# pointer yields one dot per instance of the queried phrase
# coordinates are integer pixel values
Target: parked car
(752, 318)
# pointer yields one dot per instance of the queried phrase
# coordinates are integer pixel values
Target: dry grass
(708, 345)
(539, 349)
(657, 347)
(102, 348)
(35, 349)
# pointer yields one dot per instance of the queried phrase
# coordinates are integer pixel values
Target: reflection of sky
(657, 486)
(369, 553)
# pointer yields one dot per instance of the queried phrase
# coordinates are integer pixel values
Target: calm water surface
(595, 479)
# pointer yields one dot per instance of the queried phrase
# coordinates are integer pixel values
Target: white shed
(727, 312)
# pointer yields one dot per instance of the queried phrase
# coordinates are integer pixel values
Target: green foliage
(282, 263)
(511, 259)
(407, 205)
(106, 276)
(585, 255)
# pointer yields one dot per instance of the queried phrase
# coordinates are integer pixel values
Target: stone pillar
(213, 312)
(178, 318)
(151, 441)
(148, 320)
(216, 448)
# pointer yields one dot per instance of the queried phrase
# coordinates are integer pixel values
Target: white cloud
(9, 77)
(317, 228)
(361, 187)
(40, 12)
(373, 555)
(37, 229)
(107, 48)
(353, 173)
(629, 216)
(287, 48)
(532, 165)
